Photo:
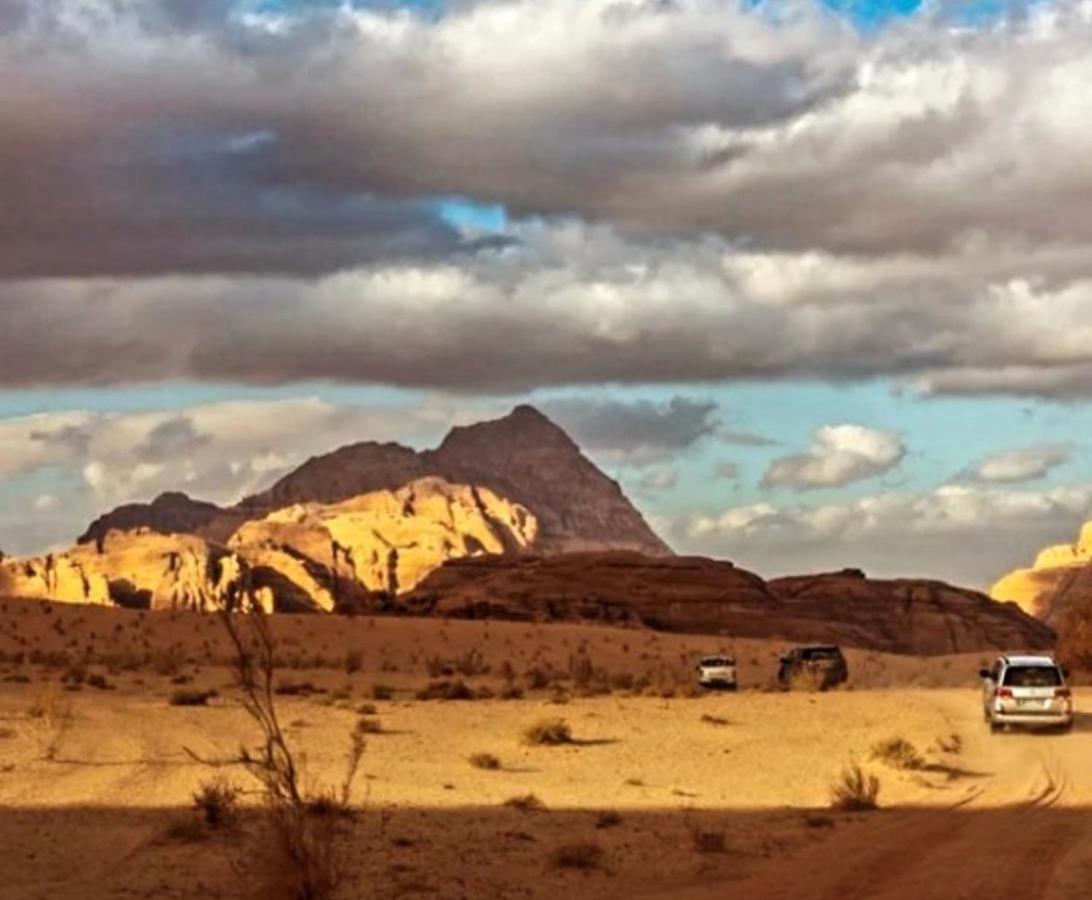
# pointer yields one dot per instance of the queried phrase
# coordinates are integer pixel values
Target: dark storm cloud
(638, 432)
(738, 195)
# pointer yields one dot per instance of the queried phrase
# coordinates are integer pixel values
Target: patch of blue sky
(472, 217)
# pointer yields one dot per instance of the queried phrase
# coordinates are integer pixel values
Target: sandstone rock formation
(138, 569)
(383, 541)
(522, 457)
(305, 557)
(1060, 577)
(695, 595)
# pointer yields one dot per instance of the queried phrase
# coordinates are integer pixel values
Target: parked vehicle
(717, 672)
(1026, 690)
(822, 666)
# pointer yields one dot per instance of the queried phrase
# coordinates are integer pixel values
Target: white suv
(1026, 690)
(717, 672)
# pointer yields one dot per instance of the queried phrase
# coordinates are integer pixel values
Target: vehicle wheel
(996, 727)
(1066, 728)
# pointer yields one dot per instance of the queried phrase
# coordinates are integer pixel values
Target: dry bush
(510, 691)
(382, 692)
(548, 733)
(537, 678)
(608, 818)
(898, 753)
(367, 709)
(526, 803)
(189, 697)
(217, 802)
(187, 831)
(854, 790)
(577, 855)
(471, 663)
(354, 661)
(714, 720)
(446, 690)
(484, 761)
(298, 858)
(368, 725)
(708, 840)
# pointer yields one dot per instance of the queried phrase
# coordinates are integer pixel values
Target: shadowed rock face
(522, 457)
(696, 595)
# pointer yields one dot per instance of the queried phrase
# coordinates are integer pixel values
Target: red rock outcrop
(696, 595)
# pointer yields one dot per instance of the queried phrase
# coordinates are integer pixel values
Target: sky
(812, 280)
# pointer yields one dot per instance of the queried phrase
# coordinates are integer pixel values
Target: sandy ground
(101, 817)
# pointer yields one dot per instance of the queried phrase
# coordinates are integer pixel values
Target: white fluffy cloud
(963, 533)
(1019, 465)
(840, 455)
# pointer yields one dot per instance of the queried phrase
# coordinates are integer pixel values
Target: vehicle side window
(995, 672)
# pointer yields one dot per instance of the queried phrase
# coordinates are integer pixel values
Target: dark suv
(822, 666)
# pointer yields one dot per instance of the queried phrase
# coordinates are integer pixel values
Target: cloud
(726, 470)
(718, 192)
(634, 432)
(92, 461)
(963, 533)
(841, 454)
(1019, 465)
(656, 481)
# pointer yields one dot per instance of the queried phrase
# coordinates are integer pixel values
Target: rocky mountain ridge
(523, 457)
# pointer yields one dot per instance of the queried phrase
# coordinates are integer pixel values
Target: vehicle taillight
(1062, 692)
(1004, 692)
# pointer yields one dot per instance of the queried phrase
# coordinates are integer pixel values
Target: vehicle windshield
(1032, 676)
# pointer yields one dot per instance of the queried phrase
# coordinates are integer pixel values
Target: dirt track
(1025, 831)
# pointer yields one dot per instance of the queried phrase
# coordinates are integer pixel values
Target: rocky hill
(309, 556)
(703, 596)
(522, 457)
(1060, 578)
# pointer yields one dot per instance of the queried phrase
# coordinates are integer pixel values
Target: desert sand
(718, 795)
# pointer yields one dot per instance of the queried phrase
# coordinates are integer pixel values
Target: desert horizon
(522, 449)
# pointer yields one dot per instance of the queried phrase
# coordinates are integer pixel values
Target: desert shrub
(854, 790)
(438, 667)
(578, 855)
(622, 681)
(295, 688)
(74, 675)
(167, 661)
(191, 697)
(354, 661)
(708, 840)
(187, 831)
(537, 678)
(510, 691)
(608, 818)
(548, 733)
(898, 753)
(714, 720)
(525, 803)
(99, 682)
(446, 690)
(366, 709)
(813, 820)
(367, 725)
(484, 761)
(471, 663)
(382, 692)
(216, 802)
